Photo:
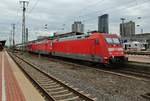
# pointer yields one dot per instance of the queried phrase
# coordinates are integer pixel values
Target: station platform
(14, 86)
(139, 58)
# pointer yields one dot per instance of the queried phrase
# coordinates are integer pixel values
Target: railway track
(138, 53)
(52, 88)
(145, 76)
(126, 70)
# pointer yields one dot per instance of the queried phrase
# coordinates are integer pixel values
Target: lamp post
(140, 26)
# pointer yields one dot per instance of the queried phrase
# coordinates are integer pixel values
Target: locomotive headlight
(105, 57)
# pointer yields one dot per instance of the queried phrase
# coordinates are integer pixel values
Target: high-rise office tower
(78, 27)
(127, 29)
(103, 24)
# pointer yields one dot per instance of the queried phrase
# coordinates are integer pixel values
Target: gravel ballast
(103, 86)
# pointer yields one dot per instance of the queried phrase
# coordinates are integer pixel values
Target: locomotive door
(93, 50)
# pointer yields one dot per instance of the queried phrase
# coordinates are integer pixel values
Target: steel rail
(79, 94)
(146, 96)
(138, 53)
(125, 71)
(128, 70)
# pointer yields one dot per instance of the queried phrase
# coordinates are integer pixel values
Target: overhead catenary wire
(93, 5)
(97, 11)
(131, 5)
(33, 7)
(37, 1)
(86, 17)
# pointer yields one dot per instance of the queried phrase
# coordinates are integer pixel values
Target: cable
(131, 5)
(87, 7)
(16, 18)
(95, 15)
(109, 8)
(91, 13)
(93, 4)
(37, 1)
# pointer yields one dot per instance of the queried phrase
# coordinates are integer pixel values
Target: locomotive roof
(68, 34)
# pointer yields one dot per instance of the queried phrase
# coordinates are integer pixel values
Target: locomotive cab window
(116, 41)
(113, 40)
(109, 40)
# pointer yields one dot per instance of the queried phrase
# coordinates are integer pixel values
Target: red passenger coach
(42, 46)
(95, 47)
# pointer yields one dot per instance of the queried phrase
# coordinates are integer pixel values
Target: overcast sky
(60, 14)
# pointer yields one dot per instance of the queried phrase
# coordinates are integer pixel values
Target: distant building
(78, 27)
(127, 29)
(103, 24)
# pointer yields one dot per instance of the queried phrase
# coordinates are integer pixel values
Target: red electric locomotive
(94, 47)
